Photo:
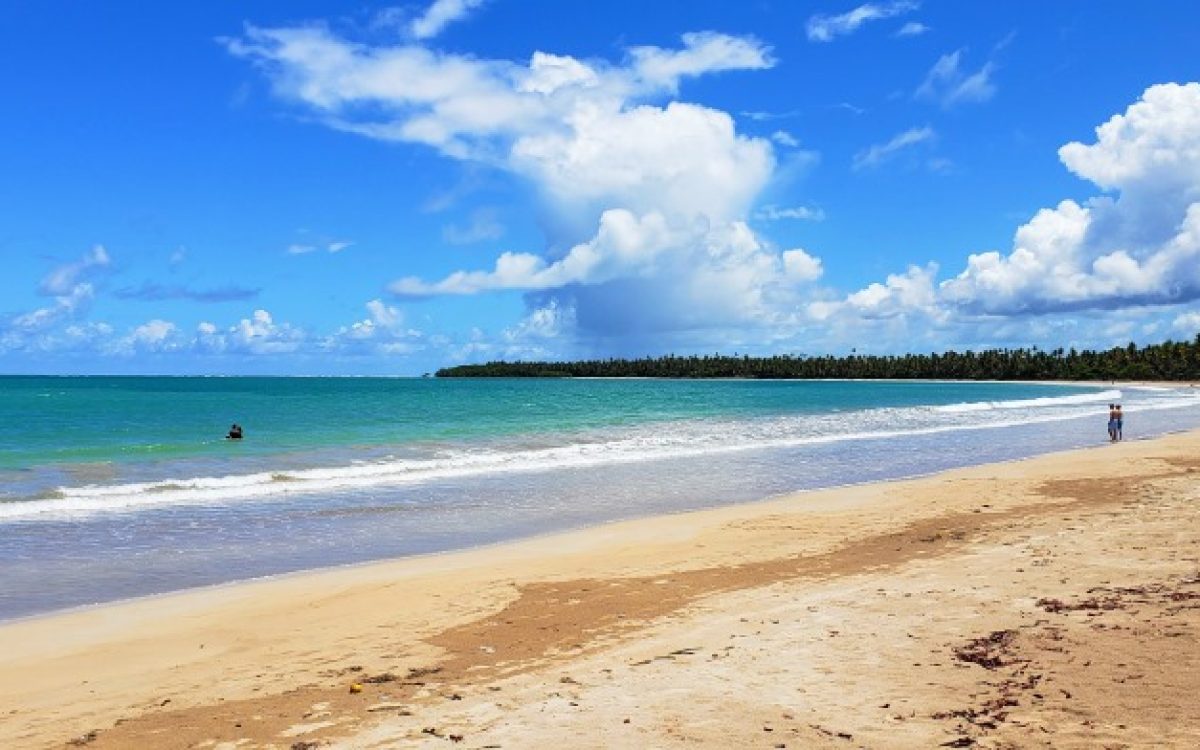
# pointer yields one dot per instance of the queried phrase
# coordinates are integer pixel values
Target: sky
(309, 188)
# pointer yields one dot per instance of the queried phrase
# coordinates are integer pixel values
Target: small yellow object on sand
(356, 688)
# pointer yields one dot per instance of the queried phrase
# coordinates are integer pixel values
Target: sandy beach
(1051, 602)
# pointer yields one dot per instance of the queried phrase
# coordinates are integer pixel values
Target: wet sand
(1052, 602)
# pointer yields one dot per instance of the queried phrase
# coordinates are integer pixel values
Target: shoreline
(500, 543)
(274, 644)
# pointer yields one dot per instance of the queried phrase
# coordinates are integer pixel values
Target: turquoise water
(99, 419)
(118, 487)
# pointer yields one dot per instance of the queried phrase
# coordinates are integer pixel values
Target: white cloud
(634, 217)
(878, 153)
(1142, 247)
(799, 266)
(912, 28)
(907, 293)
(1187, 323)
(63, 280)
(153, 333)
(484, 224)
(464, 106)
(1156, 141)
(824, 28)
(258, 334)
(949, 85)
(154, 336)
(300, 248)
(702, 53)
(631, 158)
(439, 15)
(381, 332)
(70, 284)
(802, 213)
(784, 138)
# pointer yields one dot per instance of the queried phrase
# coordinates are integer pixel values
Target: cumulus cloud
(382, 332)
(798, 265)
(878, 153)
(1140, 247)
(154, 336)
(647, 237)
(258, 334)
(949, 85)
(651, 194)
(825, 28)
(1187, 323)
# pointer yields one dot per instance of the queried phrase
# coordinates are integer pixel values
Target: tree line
(1170, 360)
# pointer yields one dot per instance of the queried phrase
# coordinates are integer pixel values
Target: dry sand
(1053, 602)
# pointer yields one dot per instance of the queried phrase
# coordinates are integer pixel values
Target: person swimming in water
(235, 432)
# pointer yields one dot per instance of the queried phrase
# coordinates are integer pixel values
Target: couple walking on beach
(1116, 421)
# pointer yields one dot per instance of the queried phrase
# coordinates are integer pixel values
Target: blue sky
(336, 188)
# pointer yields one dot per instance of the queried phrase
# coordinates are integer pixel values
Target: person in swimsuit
(1120, 423)
(235, 432)
(1112, 423)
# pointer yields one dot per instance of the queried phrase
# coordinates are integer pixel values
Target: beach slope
(1052, 602)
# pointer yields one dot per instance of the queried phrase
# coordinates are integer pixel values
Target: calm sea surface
(120, 487)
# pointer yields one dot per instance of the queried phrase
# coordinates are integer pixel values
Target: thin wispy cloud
(912, 28)
(799, 213)
(301, 248)
(784, 138)
(877, 154)
(768, 116)
(825, 28)
(154, 292)
(484, 224)
(949, 84)
(441, 14)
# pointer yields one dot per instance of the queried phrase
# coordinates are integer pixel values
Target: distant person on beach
(235, 432)
(1120, 424)
(1112, 423)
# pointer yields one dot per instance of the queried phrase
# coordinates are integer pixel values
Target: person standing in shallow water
(235, 432)
(1120, 423)
(1112, 423)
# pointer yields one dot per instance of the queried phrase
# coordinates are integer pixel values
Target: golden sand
(1053, 602)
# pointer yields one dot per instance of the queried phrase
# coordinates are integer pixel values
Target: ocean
(113, 488)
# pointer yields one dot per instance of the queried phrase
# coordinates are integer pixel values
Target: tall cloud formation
(1138, 245)
(646, 202)
(646, 235)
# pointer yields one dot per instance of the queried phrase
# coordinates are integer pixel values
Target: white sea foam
(1032, 403)
(647, 442)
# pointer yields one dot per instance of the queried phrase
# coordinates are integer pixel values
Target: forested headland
(1167, 361)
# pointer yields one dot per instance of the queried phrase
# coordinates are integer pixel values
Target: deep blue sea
(119, 487)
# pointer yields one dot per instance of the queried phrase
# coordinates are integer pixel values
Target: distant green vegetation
(1168, 361)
